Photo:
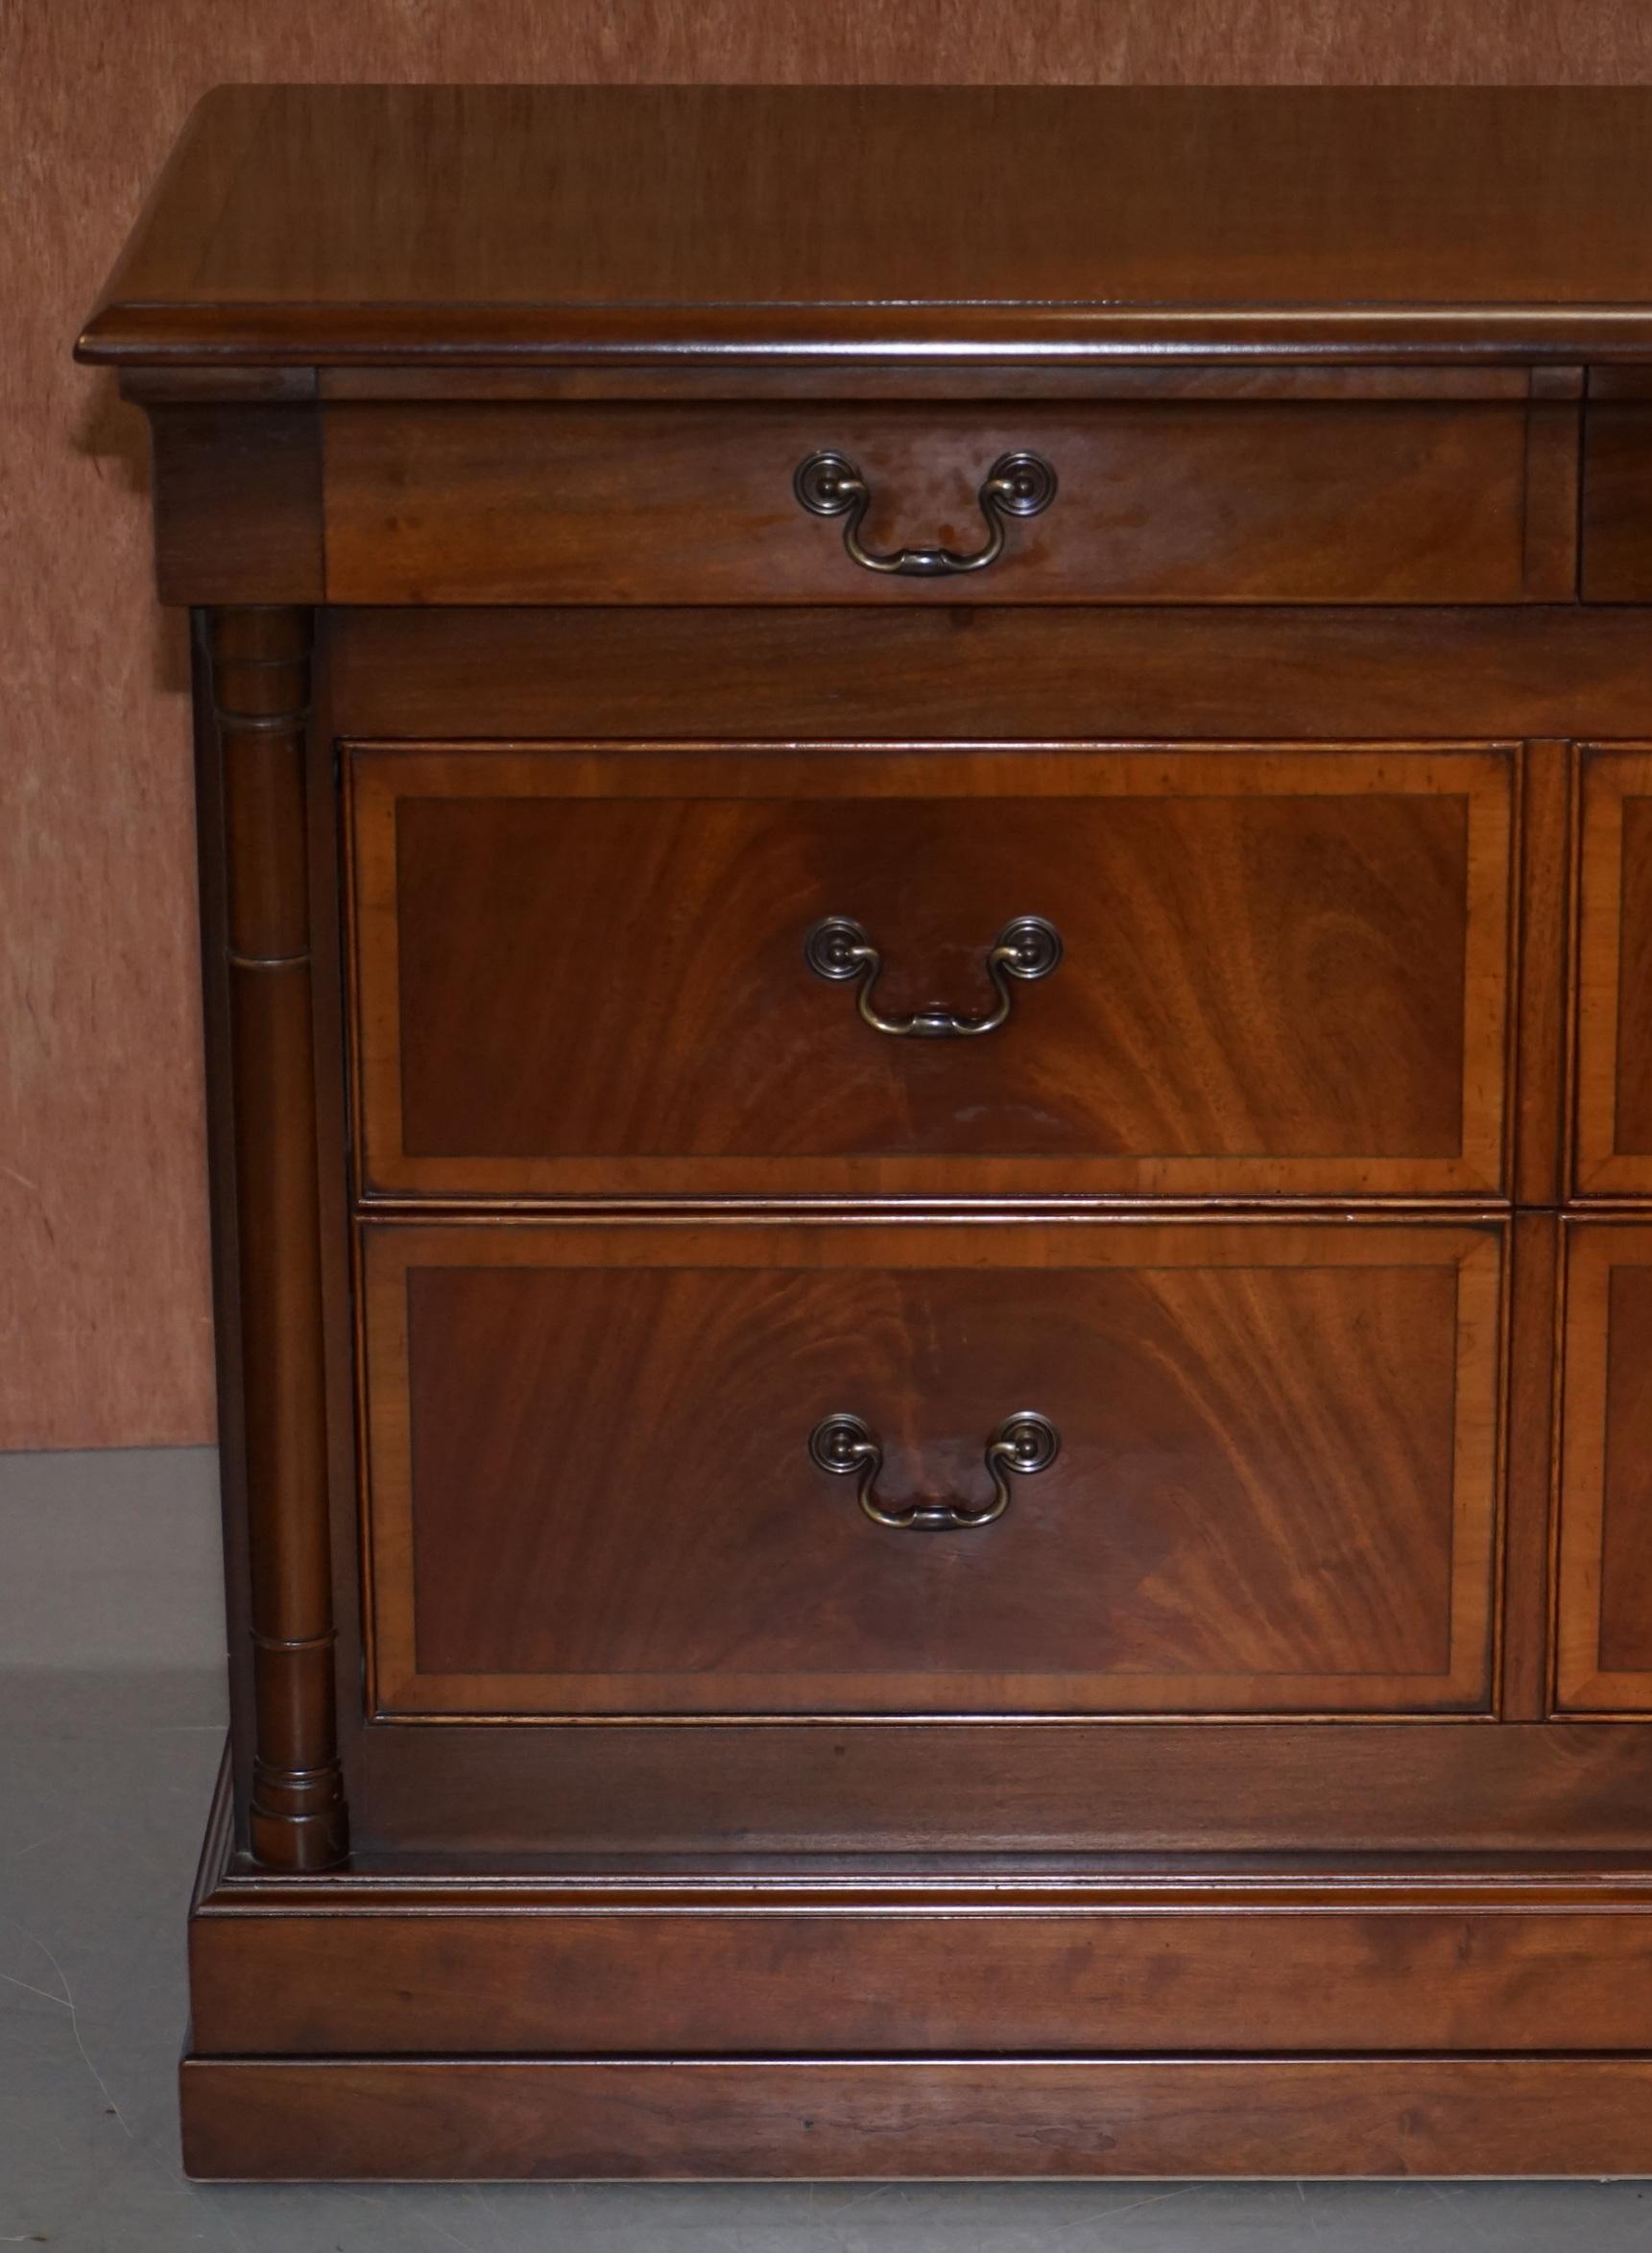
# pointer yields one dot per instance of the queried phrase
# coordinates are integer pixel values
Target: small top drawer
(841, 970)
(1338, 500)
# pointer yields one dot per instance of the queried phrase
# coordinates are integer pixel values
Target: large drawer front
(584, 971)
(1346, 501)
(591, 1488)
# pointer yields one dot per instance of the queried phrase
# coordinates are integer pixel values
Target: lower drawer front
(591, 1486)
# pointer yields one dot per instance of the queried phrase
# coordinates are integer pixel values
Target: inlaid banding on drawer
(1258, 971)
(1273, 1489)
(1412, 501)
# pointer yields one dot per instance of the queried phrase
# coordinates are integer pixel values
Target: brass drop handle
(828, 483)
(840, 949)
(1023, 1446)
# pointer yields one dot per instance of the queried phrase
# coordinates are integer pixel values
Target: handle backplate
(840, 949)
(828, 483)
(1023, 1446)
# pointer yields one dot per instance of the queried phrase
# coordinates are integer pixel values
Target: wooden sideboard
(927, 872)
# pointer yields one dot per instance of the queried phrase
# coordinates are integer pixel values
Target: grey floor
(105, 1770)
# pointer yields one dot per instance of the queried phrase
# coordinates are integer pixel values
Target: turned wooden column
(259, 662)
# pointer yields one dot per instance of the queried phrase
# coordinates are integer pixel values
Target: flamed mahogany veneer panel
(1275, 1490)
(1605, 1583)
(1634, 1013)
(1614, 970)
(891, 2119)
(584, 970)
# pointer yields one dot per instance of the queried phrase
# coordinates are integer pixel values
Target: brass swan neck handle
(838, 949)
(828, 483)
(1023, 1446)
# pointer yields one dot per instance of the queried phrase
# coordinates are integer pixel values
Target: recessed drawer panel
(777, 971)
(1094, 1467)
(1605, 1598)
(1346, 501)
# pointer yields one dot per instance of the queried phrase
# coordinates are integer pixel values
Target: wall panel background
(104, 1315)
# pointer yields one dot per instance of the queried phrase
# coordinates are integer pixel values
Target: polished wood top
(329, 225)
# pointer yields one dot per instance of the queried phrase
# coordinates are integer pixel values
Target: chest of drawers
(927, 889)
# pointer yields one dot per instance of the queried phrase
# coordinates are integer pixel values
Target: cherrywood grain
(1284, 972)
(1175, 502)
(1604, 1595)
(458, 1795)
(974, 671)
(1276, 1491)
(689, 2118)
(662, 222)
(871, 1969)
(237, 503)
(1613, 1154)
